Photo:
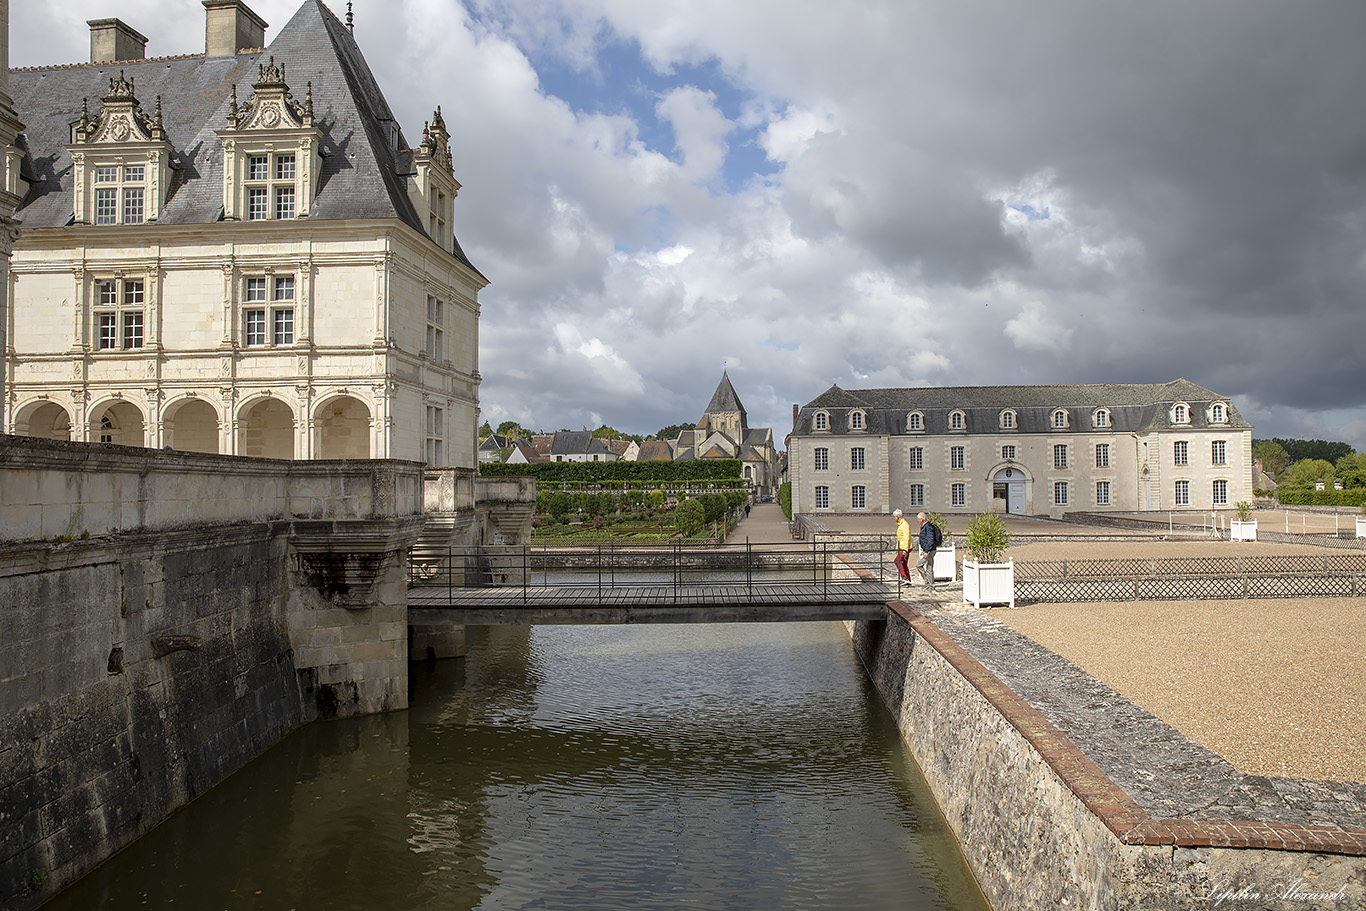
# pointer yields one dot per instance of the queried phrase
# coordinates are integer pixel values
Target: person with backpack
(930, 538)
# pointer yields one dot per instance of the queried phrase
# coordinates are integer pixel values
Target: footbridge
(645, 584)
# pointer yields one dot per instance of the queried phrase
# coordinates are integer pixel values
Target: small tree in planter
(1243, 528)
(986, 580)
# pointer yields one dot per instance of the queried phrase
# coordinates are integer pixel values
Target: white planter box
(1242, 531)
(989, 583)
(946, 563)
(1361, 526)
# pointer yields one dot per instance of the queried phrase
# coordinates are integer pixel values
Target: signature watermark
(1298, 891)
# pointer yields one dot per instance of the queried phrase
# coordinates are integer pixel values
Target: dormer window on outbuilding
(1181, 413)
(1008, 419)
(915, 422)
(1100, 418)
(270, 152)
(1218, 413)
(856, 420)
(958, 420)
(121, 159)
(820, 421)
(1058, 419)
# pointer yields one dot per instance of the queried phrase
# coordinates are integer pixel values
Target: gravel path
(1276, 687)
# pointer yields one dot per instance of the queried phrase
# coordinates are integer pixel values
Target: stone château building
(724, 433)
(238, 252)
(1026, 450)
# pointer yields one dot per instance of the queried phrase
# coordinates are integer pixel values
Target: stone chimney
(113, 39)
(795, 409)
(229, 26)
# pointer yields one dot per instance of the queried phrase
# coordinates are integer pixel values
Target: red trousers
(901, 566)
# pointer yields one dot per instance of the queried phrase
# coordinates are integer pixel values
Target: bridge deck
(714, 603)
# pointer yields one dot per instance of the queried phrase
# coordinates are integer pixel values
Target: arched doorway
(118, 422)
(266, 430)
(45, 420)
(1010, 490)
(342, 426)
(192, 426)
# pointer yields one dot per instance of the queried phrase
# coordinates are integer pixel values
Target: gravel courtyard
(1276, 687)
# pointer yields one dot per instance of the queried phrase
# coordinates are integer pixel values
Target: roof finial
(350, 23)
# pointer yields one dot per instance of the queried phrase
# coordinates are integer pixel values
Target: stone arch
(265, 428)
(341, 428)
(118, 421)
(42, 419)
(192, 425)
(1012, 488)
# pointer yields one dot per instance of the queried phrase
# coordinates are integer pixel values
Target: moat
(725, 766)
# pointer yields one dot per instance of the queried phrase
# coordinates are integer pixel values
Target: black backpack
(937, 535)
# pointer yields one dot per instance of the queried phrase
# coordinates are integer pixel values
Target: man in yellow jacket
(903, 546)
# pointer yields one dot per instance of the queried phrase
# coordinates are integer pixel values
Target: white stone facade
(1020, 450)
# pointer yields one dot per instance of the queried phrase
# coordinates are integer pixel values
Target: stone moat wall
(1043, 827)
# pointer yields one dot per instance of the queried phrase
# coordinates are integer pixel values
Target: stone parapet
(57, 490)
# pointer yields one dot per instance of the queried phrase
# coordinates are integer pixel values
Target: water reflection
(726, 766)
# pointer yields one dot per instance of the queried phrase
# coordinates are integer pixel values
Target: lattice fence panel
(1072, 591)
(1190, 588)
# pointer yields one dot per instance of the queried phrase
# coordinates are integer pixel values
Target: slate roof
(1133, 408)
(655, 451)
(725, 398)
(361, 175)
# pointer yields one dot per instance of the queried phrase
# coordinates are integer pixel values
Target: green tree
(1303, 475)
(689, 517)
(1273, 455)
(672, 431)
(1323, 450)
(485, 431)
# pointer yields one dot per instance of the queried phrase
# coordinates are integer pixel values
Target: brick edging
(1130, 823)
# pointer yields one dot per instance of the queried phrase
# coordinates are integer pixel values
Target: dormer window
(270, 152)
(1058, 421)
(1101, 418)
(1218, 414)
(915, 422)
(957, 420)
(820, 421)
(121, 160)
(433, 187)
(1180, 413)
(856, 420)
(1008, 420)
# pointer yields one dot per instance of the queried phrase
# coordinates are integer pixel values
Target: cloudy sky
(878, 193)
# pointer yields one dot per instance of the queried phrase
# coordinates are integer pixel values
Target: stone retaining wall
(1043, 827)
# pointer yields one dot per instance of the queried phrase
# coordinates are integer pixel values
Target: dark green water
(735, 766)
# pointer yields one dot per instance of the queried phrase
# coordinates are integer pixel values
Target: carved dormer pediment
(434, 186)
(120, 119)
(272, 106)
(436, 143)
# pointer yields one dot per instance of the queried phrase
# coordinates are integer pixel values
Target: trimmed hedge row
(597, 472)
(1353, 497)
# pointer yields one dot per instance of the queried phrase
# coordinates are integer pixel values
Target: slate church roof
(362, 175)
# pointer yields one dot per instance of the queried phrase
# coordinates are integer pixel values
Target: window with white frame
(917, 494)
(1102, 493)
(270, 186)
(858, 497)
(1060, 455)
(822, 496)
(254, 327)
(1008, 453)
(282, 310)
(436, 322)
(1183, 493)
(120, 194)
(957, 458)
(1101, 418)
(1059, 419)
(821, 421)
(1217, 452)
(1059, 493)
(1221, 493)
(822, 458)
(279, 322)
(119, 314)
(957, 420)
(1180, 414)
(917, 461)
(1217, 413)
(1007, 420)
(958, 494)
(857, 458)
(915, 421)
(435, 447)
(1180, 453)
(856, 420)
(1102, 455)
